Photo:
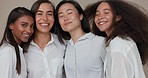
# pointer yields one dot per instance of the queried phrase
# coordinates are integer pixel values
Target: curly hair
(133, 24)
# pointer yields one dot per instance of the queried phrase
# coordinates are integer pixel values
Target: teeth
(27, 35)
(44, 24)
(102, 23)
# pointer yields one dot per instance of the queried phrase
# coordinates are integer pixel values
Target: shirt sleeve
(103, 51)
(7, 65)
(120, 66)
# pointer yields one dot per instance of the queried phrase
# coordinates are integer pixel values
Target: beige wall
(7, 5)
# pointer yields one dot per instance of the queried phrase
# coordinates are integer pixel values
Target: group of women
(109, 39)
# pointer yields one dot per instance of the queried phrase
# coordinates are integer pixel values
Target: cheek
(37, 18)
(32, 30)
(110, 18)
(61, 22)
(51, 18)
(95, 20)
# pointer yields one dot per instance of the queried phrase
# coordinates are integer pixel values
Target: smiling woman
(5, 9)
(45, 46)
(19, 28)
(81, 43)
(125, 27)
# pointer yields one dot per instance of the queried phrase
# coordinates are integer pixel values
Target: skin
(22, 28)
(44, 18)
(44, 22)
(104, 18)
(70, 21)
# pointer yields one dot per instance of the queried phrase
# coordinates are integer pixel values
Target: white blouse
(8, 62)
(84, 59)
(123, 60)
(47, 63)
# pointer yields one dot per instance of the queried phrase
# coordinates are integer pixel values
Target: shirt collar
(50, 42)
(20, 48)
(84, 37)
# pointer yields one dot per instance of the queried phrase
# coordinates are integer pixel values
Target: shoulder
(98, 41)
(55, 37)
(120, 41)
(120, 45)
(96, 37)
(7, 49)
(56, 40)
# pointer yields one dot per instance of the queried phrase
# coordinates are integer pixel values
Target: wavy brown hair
(34, 10)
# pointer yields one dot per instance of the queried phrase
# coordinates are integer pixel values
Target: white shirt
(84, 59)
(47, 63)
(8, 62)
(123, 60)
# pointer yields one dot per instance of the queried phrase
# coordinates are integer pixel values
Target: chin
(24, 40)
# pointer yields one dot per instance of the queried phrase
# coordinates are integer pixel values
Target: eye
(69, 12)
(106, 12)
(50, 14)
(97, 14)
(32, 26)
(24, 25)
(38, 13)
(60, 15)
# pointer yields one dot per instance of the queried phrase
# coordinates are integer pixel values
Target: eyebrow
(66, 11)
(24, 22)
(42, 11)
(103, 9)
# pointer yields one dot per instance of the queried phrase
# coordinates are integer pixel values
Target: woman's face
(104, 18)
(22, 28)
(44, 18)
(69, 18)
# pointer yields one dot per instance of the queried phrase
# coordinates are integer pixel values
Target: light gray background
(7, 5)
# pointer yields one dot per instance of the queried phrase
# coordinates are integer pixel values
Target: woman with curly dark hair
(126, 30)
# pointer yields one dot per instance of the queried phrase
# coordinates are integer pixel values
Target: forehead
(104, 5)
(45, 6)
(67, 6)
(25, 18)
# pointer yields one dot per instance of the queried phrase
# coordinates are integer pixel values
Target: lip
(44, 24)
(67, 23)
(26, 35)
(102, 22)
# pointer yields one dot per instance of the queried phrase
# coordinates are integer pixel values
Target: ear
(118, 18)
(81, 16)
(11, 26)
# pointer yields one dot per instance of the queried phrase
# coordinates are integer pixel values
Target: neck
(76, 35)
(39, 39)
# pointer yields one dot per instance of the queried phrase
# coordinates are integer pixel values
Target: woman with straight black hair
(85, 51)
(19, 28)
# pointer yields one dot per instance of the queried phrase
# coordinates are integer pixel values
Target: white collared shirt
(123, 60)
(84, 59)
(47, 63)
(8, 62)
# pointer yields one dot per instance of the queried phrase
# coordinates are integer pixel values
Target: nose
(29, 29)
(45, 17)
(65, 18)
(100, 17)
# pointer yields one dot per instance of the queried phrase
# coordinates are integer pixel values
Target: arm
(7, 63)
(120, 66)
